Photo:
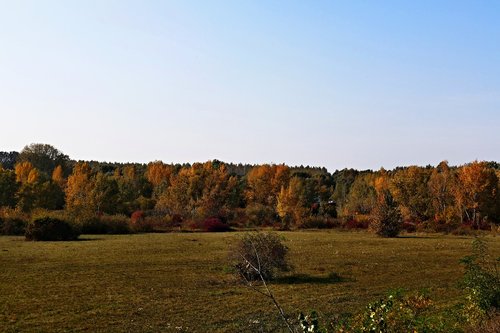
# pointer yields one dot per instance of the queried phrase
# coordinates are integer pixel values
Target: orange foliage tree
(477, 193)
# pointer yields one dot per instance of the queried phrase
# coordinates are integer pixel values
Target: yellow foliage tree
(158, 172)
(442, 186)
(33, 176)
(478, 192)
(58, 176)
(290, 203)
(23, 170)
(264, 183)
(78, 188)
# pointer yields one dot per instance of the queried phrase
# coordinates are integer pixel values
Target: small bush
(214, 224)
(481, 283)
(105, 224)
(445, 227)
(137, 216)
(12, 226)
(260, 254)
(260, 215)
(464, 230)
(409, 227)
(316, 222)
(386, 218)
(12, 222)
(115, 224)
(353, 223)
(50, 229)
(92, 226)
(143, 224)
(398, 313)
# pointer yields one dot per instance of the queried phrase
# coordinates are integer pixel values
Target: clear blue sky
(360, 84)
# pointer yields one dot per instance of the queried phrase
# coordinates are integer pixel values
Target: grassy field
(182, 282)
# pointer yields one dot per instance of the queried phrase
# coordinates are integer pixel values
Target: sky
(361, 84)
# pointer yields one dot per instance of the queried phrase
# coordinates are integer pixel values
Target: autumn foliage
(441, 198)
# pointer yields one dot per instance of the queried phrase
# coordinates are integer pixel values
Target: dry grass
(182, 282)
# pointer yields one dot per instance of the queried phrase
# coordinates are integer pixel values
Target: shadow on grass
(86, 239)
(414, 237)
(305, 278)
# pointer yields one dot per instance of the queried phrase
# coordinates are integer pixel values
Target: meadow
(183, 282)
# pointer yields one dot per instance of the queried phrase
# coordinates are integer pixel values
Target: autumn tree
(409, 188)
(43, 157)
(58, 176)
(281, 177)
(264, 182)
(219, 195)
(23, 170)
(36, 190)
(158, 174)
(200, 191)
(442, 186)
(477, 193)
(28, 177)
(291, 206)
(386, 217)
(78, 188)
(176, 199)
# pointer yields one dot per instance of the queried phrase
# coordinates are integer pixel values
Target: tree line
(41, 177)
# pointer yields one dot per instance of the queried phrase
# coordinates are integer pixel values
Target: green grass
(182, 282)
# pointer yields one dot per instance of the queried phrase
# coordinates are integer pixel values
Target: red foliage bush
(352, 223)
(137, 216)
(214, 224)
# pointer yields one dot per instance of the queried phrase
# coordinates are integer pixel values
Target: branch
(268, 292)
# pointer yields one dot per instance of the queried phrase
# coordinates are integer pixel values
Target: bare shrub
(257, 257)
(260, 255)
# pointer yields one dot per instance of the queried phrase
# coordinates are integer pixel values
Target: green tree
(43, 157)
(343, 181)
(103, 193)
(362, 196)
(8, 188)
